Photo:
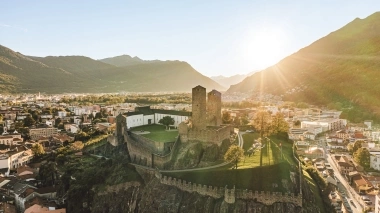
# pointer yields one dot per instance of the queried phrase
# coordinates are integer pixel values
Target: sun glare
(263, 48)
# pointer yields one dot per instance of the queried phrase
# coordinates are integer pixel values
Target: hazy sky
(215, 37)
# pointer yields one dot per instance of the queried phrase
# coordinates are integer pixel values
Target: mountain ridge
(341, 68)
(58, 74)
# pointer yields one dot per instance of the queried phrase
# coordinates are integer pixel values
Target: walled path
(241, 140)
(184, 170)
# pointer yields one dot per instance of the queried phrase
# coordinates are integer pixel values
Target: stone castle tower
(214, 108)
(206, 119)
(199, 107)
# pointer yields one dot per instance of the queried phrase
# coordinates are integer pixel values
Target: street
(344, 187)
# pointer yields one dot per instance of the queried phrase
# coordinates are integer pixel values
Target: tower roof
(215, 92)
(199, 87)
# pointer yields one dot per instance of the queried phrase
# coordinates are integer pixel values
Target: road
(344, 187)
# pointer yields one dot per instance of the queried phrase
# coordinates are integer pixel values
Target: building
(375, 160)
(42, 132)
(146, 116)
(377, 203)
(329, 124)
(345, 166)
(62, 114)
(314, 153)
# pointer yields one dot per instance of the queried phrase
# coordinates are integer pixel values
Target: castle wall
(214, 108)
(144, 151)
(230, 195)
(198, 115)
(209, 135)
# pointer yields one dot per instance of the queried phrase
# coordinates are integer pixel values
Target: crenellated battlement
(267, 198)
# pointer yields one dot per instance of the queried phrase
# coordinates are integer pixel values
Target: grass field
(271, 151)
(259, 178)
(157, 133)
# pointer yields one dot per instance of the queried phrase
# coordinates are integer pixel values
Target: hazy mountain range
(341, 68)
(231, 80)
(58, 74)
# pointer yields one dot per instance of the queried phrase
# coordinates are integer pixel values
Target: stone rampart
(143, 152)
(267, 198)
(209, 134)
(139, 152)
(154, 146)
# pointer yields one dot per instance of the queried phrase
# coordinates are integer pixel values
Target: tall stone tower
(214, 108)
(198, 116)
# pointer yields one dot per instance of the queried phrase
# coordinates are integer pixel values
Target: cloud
(14, 27)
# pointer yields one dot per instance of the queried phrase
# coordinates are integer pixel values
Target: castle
(205, 124)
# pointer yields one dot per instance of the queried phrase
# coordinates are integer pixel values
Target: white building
(146, 115)
(74, 128)
(79, 111)
(62, 114)
(377, 204)
(368, 123)
(375, 159)
(326, 124)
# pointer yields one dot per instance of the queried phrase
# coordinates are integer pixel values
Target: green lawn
(157, 133)
(271, 151)
(259, 178)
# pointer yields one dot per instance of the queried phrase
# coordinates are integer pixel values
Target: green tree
(77, 145)
(262, 124)
(357, 146)
(167, 121)
(279, 124)
(362, 157)
(38, 150)
(29, 121)
(234, 154)
(226, 117)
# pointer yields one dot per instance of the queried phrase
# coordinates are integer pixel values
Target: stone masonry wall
(267, 198)
(209, 135)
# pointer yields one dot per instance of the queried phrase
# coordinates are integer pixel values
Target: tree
(38, 150)
(77, 146)
(29, 121)
(262, 123)
(167, 120)
(234, 154)
(279, 124)
(226, 117)
(362, 157)
(57, 121)
(357, 145)
(297, 123)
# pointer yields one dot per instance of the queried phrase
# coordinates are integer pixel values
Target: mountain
(228, 81)
(73, 63)
(341, 68)
(125, 60)
(20, 73)
(158, 76)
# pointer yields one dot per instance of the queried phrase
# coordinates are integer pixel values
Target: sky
(215, 37)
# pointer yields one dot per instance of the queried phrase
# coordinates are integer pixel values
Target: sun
(264, 47)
